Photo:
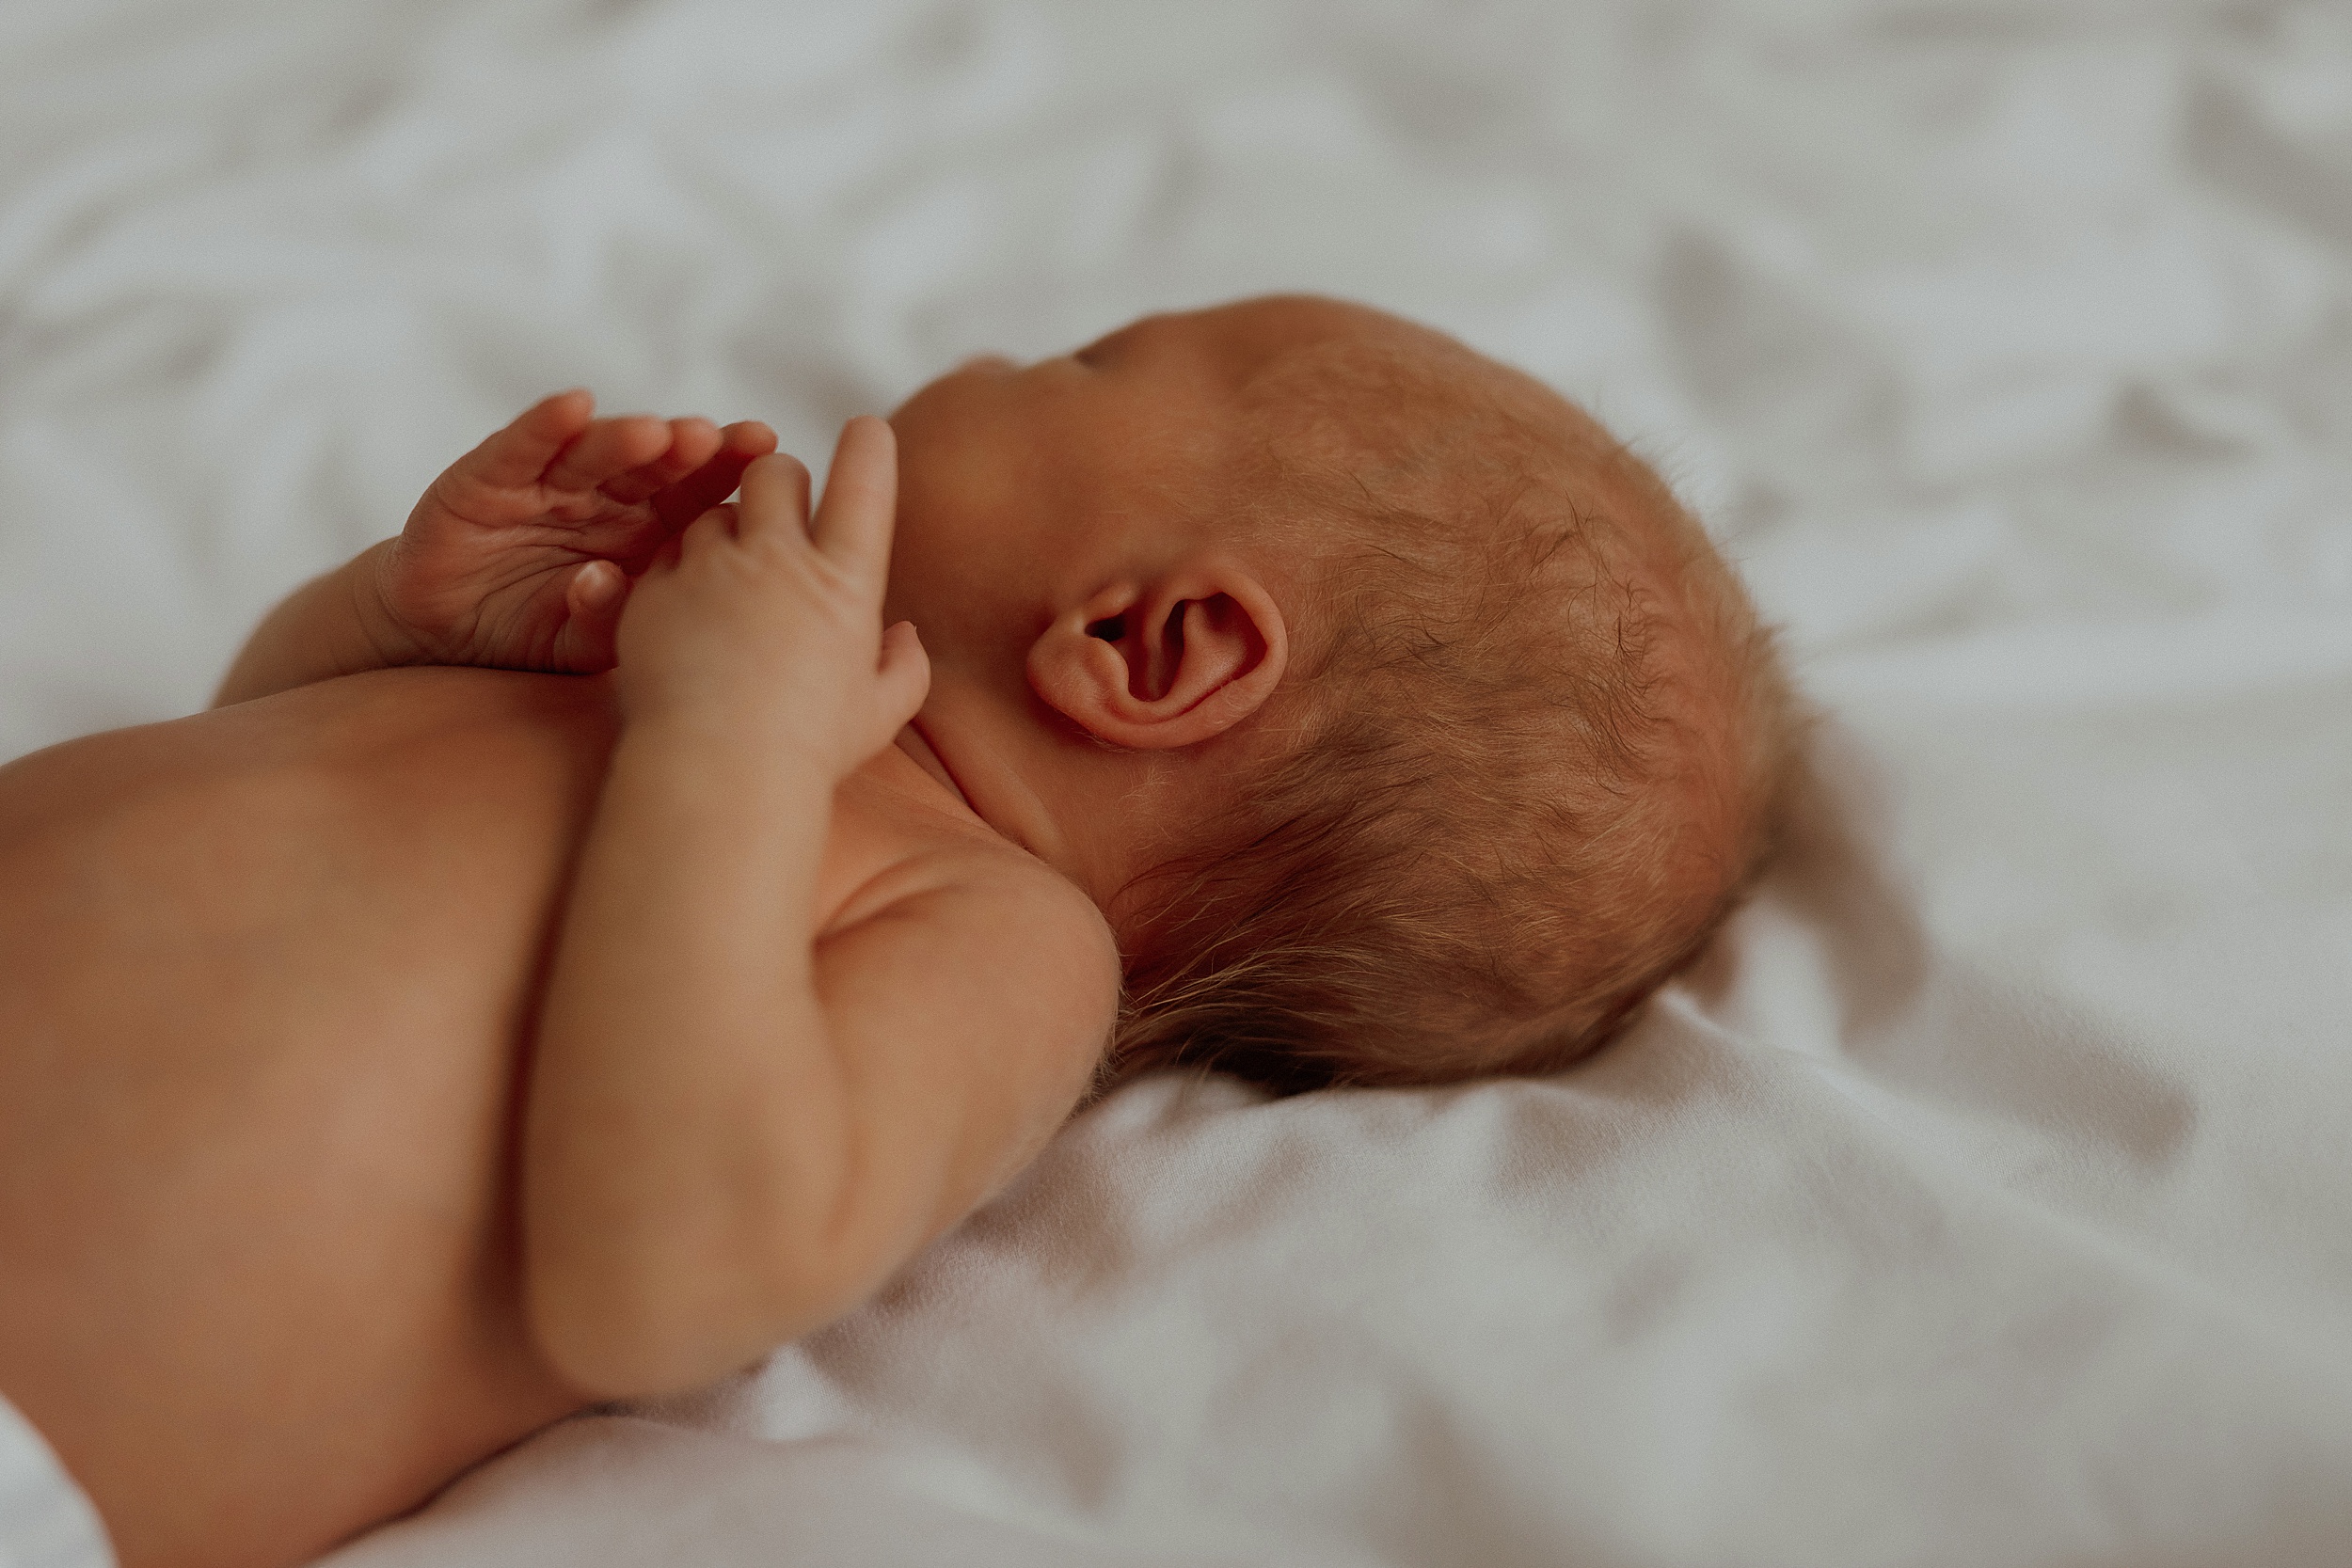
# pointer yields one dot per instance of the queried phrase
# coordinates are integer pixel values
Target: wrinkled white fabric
(45, 1519)
(1982, 1198)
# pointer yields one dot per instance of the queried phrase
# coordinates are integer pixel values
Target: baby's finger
(592, 602)
(904, 678)
(715, 481)
(607, 448)
(519, 453)
(853, 522)
(747, 439)
(692, 443)
(775, 497)
(718, 523)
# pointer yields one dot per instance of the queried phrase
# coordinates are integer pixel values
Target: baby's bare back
(262, 976)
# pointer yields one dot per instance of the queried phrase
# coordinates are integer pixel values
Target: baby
(598, 937)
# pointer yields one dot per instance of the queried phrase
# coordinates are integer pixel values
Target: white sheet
(1982, 1199)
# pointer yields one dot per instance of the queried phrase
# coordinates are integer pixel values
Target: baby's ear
(1169, 662)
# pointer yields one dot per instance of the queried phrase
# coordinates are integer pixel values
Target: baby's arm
(520, 557)
(737, 1127)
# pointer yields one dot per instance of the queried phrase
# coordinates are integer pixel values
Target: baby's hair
(1536, 752)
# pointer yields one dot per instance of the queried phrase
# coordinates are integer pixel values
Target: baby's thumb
(593, 603)
(904, 678)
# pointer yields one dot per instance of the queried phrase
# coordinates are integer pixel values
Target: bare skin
(400, 1057)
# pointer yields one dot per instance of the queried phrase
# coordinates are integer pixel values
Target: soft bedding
(1981, 1199)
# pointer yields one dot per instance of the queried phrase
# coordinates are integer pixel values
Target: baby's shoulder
(965, 936)
(901, 851)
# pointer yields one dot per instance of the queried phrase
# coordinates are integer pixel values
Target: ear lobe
(1164, 664)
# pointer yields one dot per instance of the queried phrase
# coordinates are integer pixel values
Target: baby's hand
(520, 556)
(765, 624)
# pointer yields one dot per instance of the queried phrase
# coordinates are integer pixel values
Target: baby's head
(1401, 723)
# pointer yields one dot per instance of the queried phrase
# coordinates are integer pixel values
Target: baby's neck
(911, 742)
(956, 751)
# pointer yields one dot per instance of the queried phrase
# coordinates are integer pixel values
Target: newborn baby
(586, 949)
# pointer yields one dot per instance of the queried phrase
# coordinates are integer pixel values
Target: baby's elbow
(603, 1347)
(614, 1327)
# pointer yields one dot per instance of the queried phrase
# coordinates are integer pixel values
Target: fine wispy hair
(1532, 758)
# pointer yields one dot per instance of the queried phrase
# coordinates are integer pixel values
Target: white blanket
(1982, 1199)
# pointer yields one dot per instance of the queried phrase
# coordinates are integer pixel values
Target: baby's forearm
(688, 1126)
(320, 631)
